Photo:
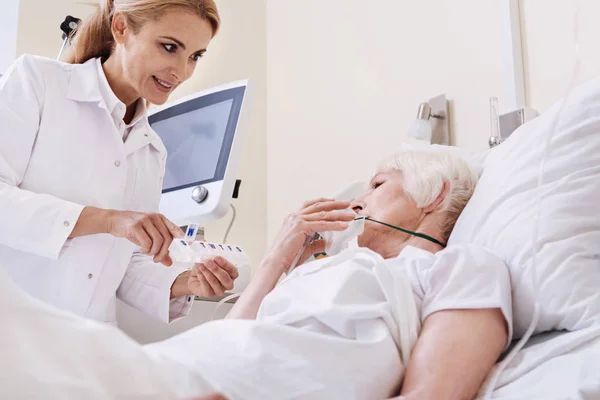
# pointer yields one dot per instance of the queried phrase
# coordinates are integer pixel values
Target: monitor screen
(198, 135)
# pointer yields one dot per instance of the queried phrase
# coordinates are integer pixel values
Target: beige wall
(345, 78)
(39, 24)
(237, 52)
(548, 36)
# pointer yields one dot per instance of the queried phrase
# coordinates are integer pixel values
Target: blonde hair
(93, 37)
(425, 170)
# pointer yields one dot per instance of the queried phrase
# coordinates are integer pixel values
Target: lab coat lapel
(142, 135)
(83, 85)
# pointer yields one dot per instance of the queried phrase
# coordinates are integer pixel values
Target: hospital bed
(554, 365)
(562, 359)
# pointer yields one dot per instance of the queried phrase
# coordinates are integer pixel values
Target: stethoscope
(67, 27)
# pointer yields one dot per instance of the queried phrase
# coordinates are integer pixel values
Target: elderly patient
(344, 326)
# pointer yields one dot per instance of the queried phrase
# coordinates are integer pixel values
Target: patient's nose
(357, 205)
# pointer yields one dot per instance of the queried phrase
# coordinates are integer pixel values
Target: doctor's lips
(164, 85)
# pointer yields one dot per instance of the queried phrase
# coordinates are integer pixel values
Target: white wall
(345, 78)
(8, 33)
(237, 52)
(548, 34)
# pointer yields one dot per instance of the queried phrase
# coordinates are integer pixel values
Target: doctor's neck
(120, 86)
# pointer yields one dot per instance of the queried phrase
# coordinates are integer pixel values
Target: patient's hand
(315, 216)
(212, 277)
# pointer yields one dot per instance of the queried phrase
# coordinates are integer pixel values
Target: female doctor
(81, 170)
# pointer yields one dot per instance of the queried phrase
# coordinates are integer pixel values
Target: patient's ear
(436, 203)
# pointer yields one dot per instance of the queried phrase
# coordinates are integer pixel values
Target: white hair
(425, 169)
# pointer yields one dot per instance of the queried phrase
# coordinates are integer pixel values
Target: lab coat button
(117, 163)
(90, 276)
(66, 223)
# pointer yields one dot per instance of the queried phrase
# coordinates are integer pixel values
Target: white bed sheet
(554, 366)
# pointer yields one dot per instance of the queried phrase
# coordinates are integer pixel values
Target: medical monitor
(202, 134)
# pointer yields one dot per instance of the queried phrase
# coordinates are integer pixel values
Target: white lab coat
(60, 150)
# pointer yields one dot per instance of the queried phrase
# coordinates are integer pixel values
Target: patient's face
(386, 201)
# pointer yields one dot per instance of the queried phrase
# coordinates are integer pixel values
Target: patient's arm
(455, 352)
(263, 281)
(315, 216)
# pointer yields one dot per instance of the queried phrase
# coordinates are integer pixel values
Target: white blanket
(336, 328)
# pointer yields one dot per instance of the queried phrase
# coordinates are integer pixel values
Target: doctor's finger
(167, 261)
(176, 231)
(336, 215)
(221, 275)
(143, 240)
(167, 239)
(157, 239)
(227, 266)
(212, 281)
(325, 206)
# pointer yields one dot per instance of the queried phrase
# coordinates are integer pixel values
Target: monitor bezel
(237, 95)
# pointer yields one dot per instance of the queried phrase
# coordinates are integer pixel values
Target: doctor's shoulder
(39, 70)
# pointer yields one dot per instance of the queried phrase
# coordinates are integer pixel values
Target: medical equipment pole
(67, 27)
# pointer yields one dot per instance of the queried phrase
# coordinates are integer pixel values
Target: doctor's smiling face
(156, 57)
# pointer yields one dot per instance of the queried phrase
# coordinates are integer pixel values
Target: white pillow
(501, 214)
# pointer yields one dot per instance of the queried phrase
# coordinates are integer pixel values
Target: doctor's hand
(152, 232)
(314, 216)
(212, 277)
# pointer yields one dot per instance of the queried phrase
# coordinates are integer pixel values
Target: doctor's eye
(196, 57)
(171, 48)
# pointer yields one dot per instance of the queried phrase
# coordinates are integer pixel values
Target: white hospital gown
(338, 328)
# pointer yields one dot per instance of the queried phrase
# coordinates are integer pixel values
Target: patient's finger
(309, 203)
(221, 275)
(212, 281)
(325, 206)
(227, 266)
(336, 215)
(317, 246)
(324, 226)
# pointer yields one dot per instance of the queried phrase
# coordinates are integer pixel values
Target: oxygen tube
(536, 228)
(420, 235)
